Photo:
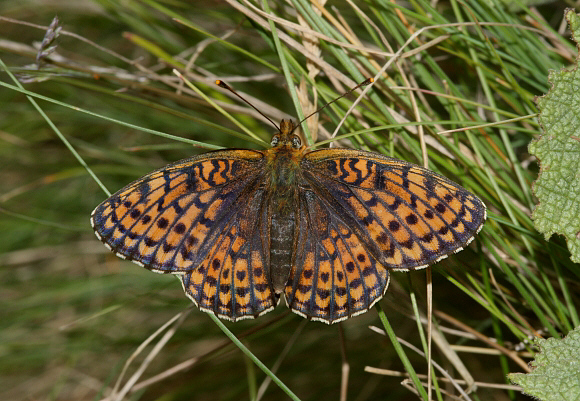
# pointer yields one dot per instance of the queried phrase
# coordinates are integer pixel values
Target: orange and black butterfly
(241, 227)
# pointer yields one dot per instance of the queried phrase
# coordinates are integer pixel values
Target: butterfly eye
(275, 141)
(296, 143)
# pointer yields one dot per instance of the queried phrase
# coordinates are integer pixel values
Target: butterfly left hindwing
(233, 281)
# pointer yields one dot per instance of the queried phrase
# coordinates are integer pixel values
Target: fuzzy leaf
(558, 151)
(555, 374)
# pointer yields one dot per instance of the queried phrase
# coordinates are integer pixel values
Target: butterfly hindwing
(232, 282)
(333, 276)
(168, 220)
(408, 217)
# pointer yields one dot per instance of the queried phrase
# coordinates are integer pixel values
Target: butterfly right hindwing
(333, 276)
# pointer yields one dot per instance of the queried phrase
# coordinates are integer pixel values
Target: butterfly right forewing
(407, 216)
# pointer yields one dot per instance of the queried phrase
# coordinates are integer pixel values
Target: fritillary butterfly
(324, 227)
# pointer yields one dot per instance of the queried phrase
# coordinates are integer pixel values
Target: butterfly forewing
(169, 219)
(408, 217)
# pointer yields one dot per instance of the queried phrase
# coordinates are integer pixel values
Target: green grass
(73, 313)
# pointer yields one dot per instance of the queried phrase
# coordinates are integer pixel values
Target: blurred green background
(73, 313)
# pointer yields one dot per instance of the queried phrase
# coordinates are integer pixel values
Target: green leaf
(556, 369)
(558, 152)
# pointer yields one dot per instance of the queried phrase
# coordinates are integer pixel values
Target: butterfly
(324, 227)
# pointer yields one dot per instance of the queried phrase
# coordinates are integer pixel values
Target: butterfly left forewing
(408, 217)
(167, 221)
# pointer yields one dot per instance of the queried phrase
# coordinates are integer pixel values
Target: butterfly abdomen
(281, 244)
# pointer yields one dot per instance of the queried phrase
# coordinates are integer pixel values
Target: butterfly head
(286, 138)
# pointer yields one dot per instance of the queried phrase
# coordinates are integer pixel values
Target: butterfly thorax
(283, 165)
(282, 182)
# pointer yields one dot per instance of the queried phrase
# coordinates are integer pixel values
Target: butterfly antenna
(222, 84)
(363, 83)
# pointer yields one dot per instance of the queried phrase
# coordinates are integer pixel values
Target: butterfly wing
(407, 217)
(169, 220)
(333, 276)
(232, 282)
(202, 219)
